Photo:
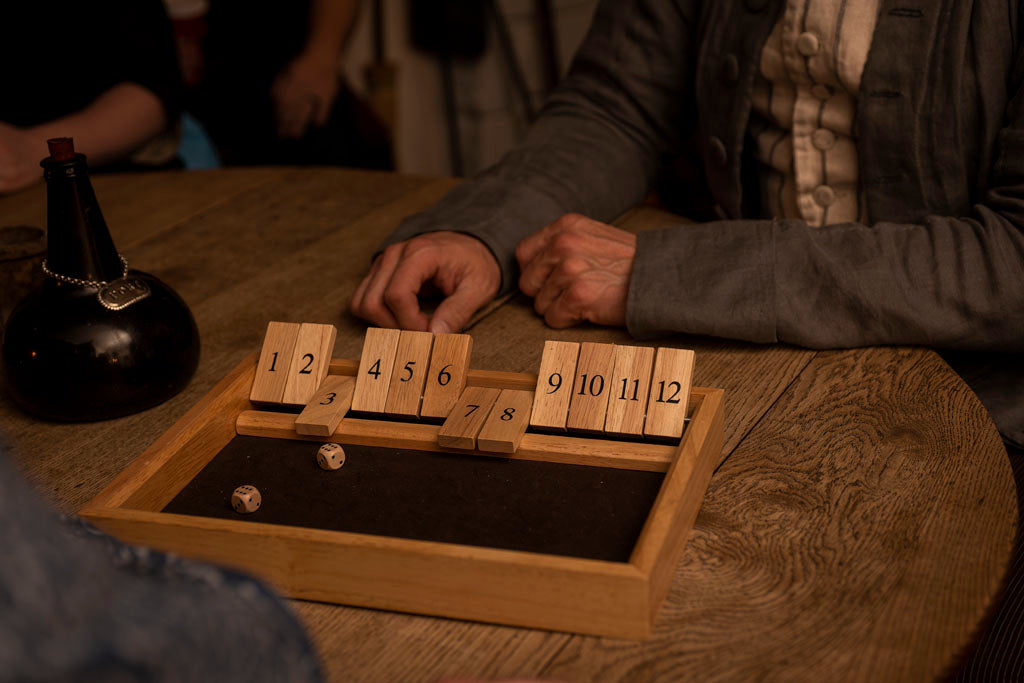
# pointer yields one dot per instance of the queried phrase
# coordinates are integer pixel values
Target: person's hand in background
(461, 267)
(577, 269)
(304, 93)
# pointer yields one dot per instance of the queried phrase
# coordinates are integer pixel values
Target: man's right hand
(460, 266)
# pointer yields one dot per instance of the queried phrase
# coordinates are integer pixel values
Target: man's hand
(19, 159)
(460, 266)
(577, 269)
(304, 93)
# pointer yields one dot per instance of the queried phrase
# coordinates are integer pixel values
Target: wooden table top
(859, 527)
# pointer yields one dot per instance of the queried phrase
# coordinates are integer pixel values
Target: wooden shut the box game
(558, 500)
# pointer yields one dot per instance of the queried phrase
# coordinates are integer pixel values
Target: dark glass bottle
(97, 340)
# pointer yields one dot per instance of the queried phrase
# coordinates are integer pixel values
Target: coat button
(808, 44)
(730, 69)
(824, 195)
(717, 151)
(823, 139)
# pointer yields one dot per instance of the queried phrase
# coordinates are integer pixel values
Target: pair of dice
(247, 498)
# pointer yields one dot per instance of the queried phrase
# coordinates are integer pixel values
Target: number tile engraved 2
(311, 358)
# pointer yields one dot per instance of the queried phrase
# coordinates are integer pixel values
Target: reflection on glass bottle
(97, 340)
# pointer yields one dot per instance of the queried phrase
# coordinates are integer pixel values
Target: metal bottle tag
(122, 293)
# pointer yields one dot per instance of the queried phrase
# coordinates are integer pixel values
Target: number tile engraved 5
(375, 367)
(554, 384)
(275, 359)
(410, 373)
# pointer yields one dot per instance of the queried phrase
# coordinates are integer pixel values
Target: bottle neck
(78, 241)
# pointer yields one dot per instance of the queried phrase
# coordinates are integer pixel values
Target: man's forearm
(114, 125)
(329, 24)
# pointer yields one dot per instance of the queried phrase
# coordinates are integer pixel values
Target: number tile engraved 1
(325, 410)
(410, 373)
(504, 427)
(591, 387)
(311, 359)
(631, 382)
(375, 366)
(275, 359)
(670, 392)
(467, 417)
(446, 378)
(554, 384)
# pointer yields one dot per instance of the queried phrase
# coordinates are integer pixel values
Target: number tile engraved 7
(467, 417)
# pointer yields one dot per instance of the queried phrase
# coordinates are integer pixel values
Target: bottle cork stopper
(61, 149)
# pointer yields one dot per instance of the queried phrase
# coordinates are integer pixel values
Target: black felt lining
(542, 507)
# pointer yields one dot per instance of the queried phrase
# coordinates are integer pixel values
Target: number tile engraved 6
(446, 378)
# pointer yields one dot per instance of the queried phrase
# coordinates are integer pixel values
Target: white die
(331, 456)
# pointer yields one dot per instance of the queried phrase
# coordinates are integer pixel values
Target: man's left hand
(303, 94)
(19, 159)
(577, 269)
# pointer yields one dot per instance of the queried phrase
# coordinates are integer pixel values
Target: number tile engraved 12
(670, 392)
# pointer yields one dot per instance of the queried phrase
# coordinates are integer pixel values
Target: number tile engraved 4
(375, 367)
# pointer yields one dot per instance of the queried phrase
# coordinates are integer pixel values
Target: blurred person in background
(102, 73)
(265, 80)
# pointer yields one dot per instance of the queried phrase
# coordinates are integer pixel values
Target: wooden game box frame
(619, 599)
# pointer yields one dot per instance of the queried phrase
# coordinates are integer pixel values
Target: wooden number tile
(275, 359)
(505, 425)
(591, 387)
(311, 359)
(670, 392)
(374, 374)
(411, 364)
(328, 406)
(449, 363)
(554, 384)
(631, 382)
(467, 417)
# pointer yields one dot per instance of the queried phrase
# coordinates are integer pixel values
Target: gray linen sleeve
(947, 283)
(598, 141)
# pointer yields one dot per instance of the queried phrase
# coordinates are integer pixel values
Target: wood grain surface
(858, 527)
